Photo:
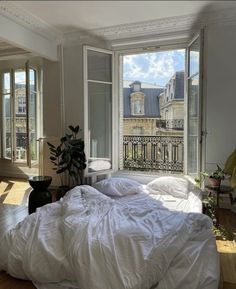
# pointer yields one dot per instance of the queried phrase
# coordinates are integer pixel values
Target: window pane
(192, 151)
(193, 96)
(152, 128)
(32, 80)
(100, 126)
(99, 66)
(6, 83)
(32, 124)
(20, 116)
(194, 57)
(7, 151)
(193, 109)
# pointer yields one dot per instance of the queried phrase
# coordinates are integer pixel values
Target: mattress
(141, 240)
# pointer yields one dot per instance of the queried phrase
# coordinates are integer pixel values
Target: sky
(19, 78)
(153, 67)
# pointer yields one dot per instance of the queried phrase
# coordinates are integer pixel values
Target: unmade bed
(119, 234)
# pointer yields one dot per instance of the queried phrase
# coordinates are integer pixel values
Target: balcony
(153, 153)
(176, 124)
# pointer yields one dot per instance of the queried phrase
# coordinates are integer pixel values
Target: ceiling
(69, 16)
(115, 21)
(6, 50)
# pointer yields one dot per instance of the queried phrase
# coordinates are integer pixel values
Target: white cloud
(153, 67)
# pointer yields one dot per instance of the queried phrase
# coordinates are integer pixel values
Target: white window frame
(201, 107)
(119, 78)
(12, 71)
(113, 168)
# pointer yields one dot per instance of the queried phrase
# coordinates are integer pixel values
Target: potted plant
(69, 158)
(214, 177)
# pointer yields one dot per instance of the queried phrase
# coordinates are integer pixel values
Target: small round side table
(40, 195)
(220, 190)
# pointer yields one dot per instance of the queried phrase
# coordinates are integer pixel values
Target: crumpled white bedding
(90, 241)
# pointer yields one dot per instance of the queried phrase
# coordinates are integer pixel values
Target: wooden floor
(13, 209)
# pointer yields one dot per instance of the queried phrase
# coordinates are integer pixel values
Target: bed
(119, 234)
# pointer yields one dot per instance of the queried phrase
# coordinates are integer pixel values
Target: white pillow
(177, 187)
(118, 187)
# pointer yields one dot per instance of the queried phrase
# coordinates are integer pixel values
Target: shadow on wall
(211, 14)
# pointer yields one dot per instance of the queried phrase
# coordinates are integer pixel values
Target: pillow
(177, 187)
(118, 187)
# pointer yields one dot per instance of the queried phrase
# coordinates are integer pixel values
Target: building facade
(153, 124)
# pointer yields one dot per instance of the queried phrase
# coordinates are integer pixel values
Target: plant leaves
(51, 145)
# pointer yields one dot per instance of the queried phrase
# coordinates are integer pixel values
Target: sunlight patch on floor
(227, 250)
(15, 192)
(15, 197)
(3, 186)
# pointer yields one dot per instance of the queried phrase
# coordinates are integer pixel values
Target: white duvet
(90, 241)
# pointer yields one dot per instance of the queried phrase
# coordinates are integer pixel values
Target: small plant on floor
(210, 210)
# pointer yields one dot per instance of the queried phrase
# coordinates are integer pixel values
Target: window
(21, 104)
(194, 114)
(137, 103)
(154, 133)
(98, 86)
(19, 117)
(152, 139)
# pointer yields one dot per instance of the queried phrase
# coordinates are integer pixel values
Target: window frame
(119, 54)
(12, 70)
(201, 105)
(113, 168)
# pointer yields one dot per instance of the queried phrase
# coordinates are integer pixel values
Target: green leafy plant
(69, 157)
(217, 174)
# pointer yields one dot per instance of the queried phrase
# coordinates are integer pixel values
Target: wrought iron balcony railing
(177, 124)
(153, 153)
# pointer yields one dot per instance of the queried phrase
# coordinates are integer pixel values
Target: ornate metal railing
(153, 153)
(177, 124)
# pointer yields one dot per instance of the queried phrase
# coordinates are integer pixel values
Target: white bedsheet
(90, 241)
(192, 204)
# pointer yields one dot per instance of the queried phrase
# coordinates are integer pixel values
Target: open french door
(194, 106)
(99, 110)
(19, 111)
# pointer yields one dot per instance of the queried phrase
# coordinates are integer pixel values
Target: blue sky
(153, 67)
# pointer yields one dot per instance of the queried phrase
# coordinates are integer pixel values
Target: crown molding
(22, 17)
(145, 28)
(176, 28)
(135, 33)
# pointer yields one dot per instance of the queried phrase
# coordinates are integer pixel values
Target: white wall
(51, 114)
(221, 94)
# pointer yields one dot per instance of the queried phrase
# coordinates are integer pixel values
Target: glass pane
(99, 66)
(100, 126)
(20, 116)
(6, 83)
(32, 125)
(193, 95)
(193, 110)
(7, 150)
(192, 151)
(194, 59)
(32, 80)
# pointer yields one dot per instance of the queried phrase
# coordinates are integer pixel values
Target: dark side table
(40, 195)
(220, 191)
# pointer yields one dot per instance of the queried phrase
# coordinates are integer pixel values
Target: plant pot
(214, 182)
(62, 190)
